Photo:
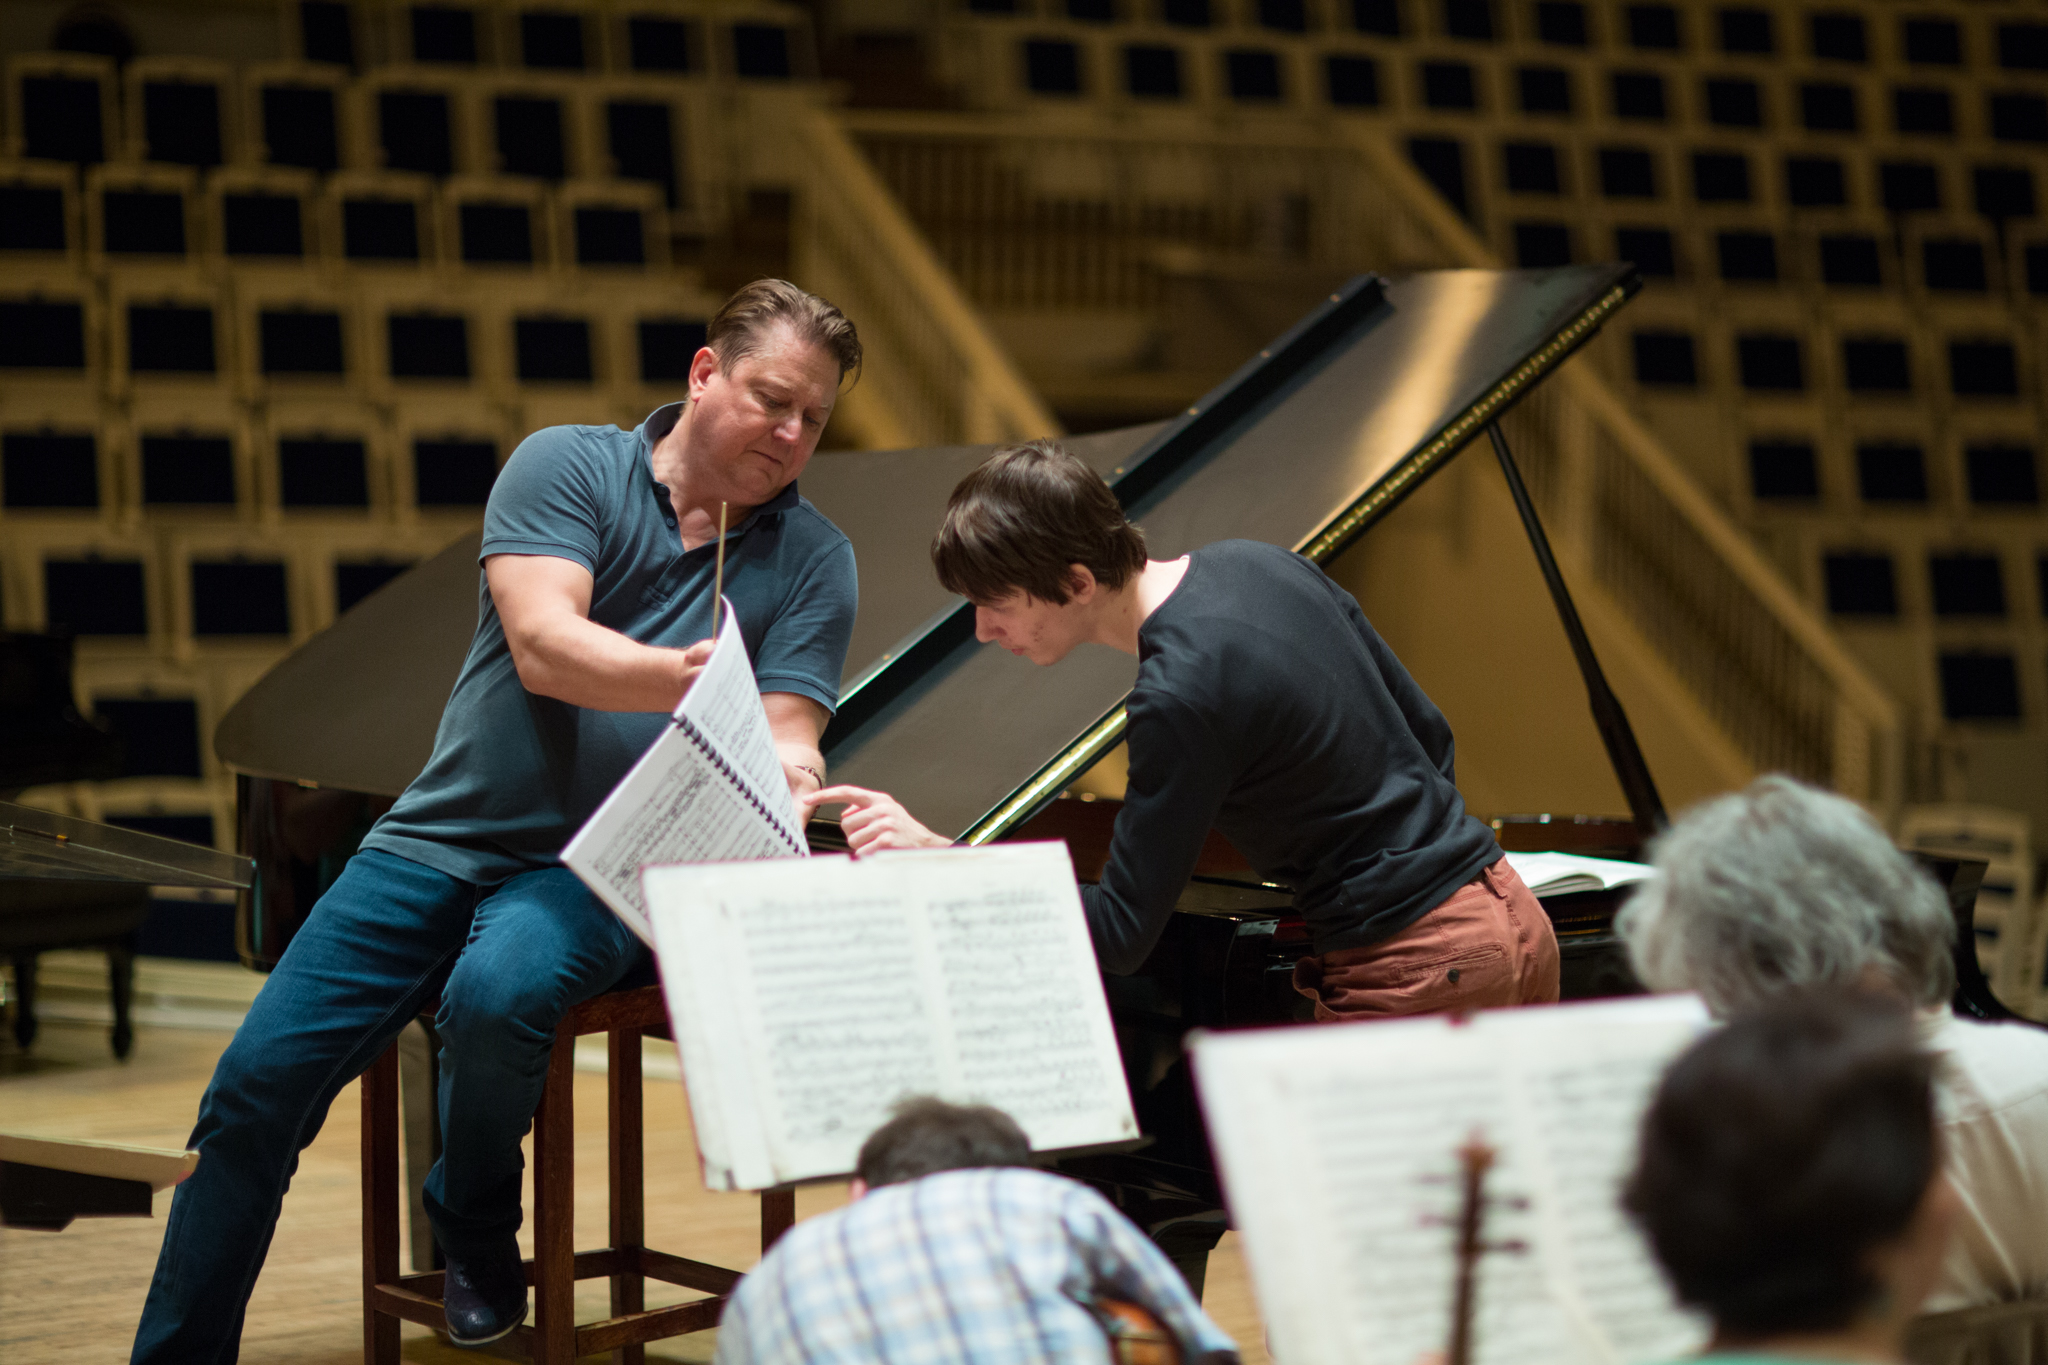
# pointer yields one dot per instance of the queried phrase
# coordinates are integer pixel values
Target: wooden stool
(553, 1337)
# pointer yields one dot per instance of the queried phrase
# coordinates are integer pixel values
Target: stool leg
(554, 1210)
(778, 1215)
(419, 1112)
(628, 1184)
(380, 1204)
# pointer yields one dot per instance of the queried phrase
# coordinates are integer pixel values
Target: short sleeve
(549, 499)
(804, 648)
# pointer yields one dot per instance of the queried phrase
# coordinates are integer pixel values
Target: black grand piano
(1309, 445)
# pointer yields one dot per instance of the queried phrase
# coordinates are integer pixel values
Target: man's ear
(1081, 583)
(856, 1188)
(702, 366)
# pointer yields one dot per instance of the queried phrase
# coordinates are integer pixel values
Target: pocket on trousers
(1471, 978)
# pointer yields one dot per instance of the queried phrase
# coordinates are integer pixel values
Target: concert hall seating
(269, 327)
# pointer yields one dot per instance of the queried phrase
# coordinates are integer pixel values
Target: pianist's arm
(1180, 773)
(544, 604)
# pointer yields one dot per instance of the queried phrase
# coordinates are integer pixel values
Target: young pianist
(1265, 706)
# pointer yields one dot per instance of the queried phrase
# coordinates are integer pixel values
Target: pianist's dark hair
(747, 319)
(1023, 518)
(925, 1136)
(1780, 1151)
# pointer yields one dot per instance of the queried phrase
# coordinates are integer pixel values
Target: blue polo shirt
(514, 775)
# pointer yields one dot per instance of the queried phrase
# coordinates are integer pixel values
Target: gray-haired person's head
(1781, 887)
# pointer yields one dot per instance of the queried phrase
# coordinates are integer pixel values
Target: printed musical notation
(842, 1036)
(1023, 1042)
(1372, 1119)
(810, 997)
(1383, 1147)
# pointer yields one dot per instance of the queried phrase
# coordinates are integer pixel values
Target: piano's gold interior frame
(1321, 547)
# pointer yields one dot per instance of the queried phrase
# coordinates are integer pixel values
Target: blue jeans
(508, 960)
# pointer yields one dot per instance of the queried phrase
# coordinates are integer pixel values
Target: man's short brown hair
(1023, 518)
(926, 1135)
(747, 320)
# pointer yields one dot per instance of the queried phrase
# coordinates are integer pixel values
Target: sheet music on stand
(808, 997)
(1338, 1148)
(711, 789)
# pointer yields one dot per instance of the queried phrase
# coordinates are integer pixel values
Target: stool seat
(553, 1336)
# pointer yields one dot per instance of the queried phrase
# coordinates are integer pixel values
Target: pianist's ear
(1081, 583)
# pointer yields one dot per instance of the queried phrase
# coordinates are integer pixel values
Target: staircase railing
(934, 375)
(1766, 669)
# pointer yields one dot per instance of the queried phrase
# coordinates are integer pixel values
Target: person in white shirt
(1783, 888)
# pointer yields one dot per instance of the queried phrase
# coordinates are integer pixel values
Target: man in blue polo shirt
(593, 614)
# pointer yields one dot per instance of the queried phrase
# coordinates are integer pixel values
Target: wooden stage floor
(74, 1296)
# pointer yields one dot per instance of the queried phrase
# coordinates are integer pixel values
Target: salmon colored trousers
(1487, 946)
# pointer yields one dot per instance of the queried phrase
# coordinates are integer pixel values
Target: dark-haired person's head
(1789, 1175)
(925, 1136)
(1034, 538)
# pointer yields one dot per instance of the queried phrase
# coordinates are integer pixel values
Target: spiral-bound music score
(711, 789)
(717, 759)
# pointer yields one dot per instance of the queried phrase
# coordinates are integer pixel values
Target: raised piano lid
(1305, 447)
(356, 706)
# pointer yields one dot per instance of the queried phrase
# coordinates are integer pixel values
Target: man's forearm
(575, 660)
(803, 765)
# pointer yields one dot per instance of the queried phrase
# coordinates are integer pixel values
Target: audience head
(1782, 887)
(1024, 518)
(925, 1136)
(1789, 1178)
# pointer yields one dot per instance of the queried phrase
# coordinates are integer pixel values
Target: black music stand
(47, 1182)
(67, 883)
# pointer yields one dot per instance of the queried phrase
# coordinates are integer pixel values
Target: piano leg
(24, 999)
(121, 986)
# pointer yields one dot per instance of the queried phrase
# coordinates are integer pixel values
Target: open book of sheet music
(809, 997)
(1556, 874)
(1338, 1152)
(711, 789)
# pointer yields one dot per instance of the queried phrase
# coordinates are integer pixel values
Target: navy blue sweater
(1266, 705)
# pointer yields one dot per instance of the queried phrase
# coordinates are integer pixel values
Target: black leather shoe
(485, 1296)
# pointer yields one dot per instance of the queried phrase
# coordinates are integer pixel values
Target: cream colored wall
(1450, 581)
